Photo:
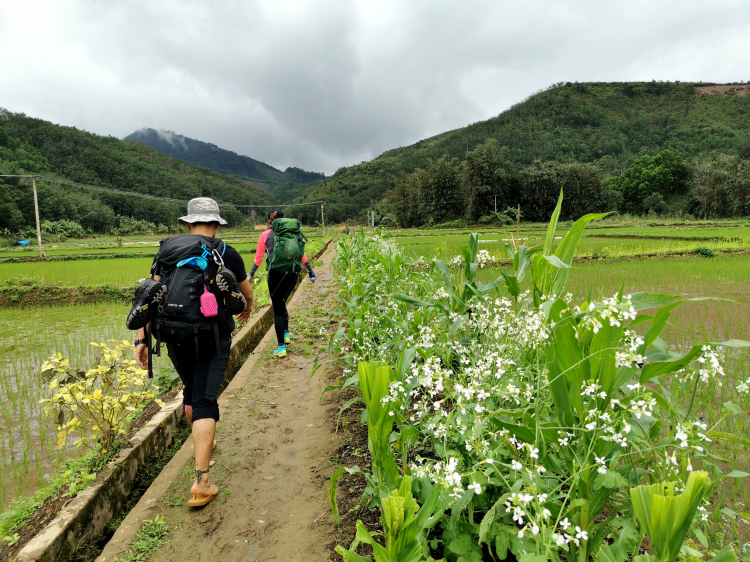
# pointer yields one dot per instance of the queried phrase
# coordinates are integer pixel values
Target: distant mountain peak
(175, 140)
(214, 158)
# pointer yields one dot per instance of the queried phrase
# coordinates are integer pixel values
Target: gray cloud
(330, 83)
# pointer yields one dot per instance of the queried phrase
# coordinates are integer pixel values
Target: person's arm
(310, 272)
(259, 252)
(141, 350)
(247, 290)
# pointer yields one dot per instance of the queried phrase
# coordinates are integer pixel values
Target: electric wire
(146, 195)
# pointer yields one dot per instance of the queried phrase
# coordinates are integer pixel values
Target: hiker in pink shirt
(280, 285)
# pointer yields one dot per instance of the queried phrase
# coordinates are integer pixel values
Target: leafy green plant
(374, 381)
(459, 294)
(550, 267)
(536, 413)
(79, 481)
(12, 540)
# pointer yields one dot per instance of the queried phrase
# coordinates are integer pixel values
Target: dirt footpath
(273, 458)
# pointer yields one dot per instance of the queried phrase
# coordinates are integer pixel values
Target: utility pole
(36, 212)
(495, 203)
(322, 219)
(373, 219)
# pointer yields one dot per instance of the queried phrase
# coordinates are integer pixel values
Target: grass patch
(21, 509)
(152, 535)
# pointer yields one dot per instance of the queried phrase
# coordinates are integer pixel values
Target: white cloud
(330, 83)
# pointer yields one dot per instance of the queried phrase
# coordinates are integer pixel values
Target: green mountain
(29, 145)
(607, 125)
(217, 159)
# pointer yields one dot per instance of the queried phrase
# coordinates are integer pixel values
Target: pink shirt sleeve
(261, 249)
(304, 259)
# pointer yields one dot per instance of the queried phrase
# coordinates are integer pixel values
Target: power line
(145, 195)
(278, 206)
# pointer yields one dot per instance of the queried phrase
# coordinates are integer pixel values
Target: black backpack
(188, 265)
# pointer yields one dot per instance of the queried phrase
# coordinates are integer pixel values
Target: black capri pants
(202, 372)
(280, 286)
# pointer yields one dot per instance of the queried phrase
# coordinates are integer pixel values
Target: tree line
(487, 186)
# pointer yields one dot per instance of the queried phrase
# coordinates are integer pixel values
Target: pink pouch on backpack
(209, 306)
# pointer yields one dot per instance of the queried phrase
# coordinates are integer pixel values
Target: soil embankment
(275, 444)
(730, 90)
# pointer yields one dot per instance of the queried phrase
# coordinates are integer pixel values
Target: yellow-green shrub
(95, 404)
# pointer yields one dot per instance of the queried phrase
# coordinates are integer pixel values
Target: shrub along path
(275, 441)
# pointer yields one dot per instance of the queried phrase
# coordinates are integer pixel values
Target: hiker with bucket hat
(197, 284)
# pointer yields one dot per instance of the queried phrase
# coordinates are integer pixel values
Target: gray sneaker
(147, 294)
(234, 300)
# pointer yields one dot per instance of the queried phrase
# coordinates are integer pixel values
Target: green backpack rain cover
(288, 246)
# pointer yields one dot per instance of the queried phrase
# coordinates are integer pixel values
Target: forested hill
(29, 145)
(219, 160)
(609, 125)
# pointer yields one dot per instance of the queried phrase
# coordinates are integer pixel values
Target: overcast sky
(321, 84)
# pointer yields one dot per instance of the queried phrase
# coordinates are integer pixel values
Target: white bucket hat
(202, 209)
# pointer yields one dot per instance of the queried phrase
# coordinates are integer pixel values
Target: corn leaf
(566, 250)
(332, 494)
(552, 228)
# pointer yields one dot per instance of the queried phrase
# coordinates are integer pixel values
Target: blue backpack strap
(223, 249)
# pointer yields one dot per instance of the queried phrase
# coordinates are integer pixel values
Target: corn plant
(458, 295)
(666, 518)
(374, 380)
(550, 268)
(404, 527)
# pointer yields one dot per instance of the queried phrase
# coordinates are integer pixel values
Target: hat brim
(202, 218)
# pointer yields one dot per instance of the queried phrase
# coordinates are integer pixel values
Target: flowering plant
(538, 415)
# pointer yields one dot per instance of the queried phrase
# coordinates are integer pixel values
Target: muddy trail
(276, 449)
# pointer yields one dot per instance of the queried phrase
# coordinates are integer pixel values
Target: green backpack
(288, 246)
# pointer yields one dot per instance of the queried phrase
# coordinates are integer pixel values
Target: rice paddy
(120, 272)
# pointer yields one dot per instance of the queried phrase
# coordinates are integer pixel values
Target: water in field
(678, 231)
(28, 448)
